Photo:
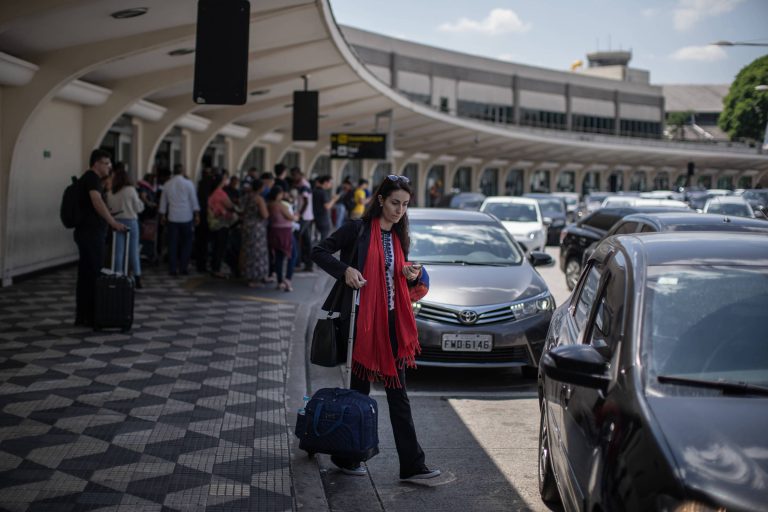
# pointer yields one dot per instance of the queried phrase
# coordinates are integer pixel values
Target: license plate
(468, 342)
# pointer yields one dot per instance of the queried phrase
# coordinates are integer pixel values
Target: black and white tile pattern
(186, 412)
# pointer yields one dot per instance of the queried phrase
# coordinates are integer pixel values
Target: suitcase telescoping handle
(125, 256)
(351, 340)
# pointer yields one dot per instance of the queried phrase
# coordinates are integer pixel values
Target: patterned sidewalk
(186, 412)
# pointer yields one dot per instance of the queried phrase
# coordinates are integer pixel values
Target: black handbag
(329, 348)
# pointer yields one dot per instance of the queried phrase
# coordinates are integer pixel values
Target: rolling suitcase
(115, 295)
(340, 421)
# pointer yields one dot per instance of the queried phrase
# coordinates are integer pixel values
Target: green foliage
(745, 110)
(676, 121)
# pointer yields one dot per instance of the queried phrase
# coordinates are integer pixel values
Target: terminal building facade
(74, 77)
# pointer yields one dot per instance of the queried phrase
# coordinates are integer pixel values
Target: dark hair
(120, 178)
(325, 178)
(373, 211)
(267, 176)
(274, 192)
(216, 180)
(178, 169)
(279, 169)
(98, 154)
(256, 184)
(364, 181)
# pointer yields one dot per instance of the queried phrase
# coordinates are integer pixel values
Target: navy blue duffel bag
(339, 422)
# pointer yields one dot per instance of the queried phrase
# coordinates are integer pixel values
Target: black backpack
(71, 212)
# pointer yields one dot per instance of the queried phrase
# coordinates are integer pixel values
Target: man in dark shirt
(322, 202)
(91, 234)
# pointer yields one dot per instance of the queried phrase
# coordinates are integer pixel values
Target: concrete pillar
(137, 127)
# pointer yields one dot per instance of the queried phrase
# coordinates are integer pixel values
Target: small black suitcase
(115, 295)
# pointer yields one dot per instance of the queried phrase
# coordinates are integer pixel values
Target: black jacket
(344, 239)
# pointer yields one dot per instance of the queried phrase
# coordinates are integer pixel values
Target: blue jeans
(134, 262)
(180, 236)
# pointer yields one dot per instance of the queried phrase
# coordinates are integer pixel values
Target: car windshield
(734, 209)
(705, 324)
(512, 211)
(755, 195)
(468, 243)
(551, 206)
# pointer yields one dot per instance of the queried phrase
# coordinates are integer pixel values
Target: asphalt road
(480, 427)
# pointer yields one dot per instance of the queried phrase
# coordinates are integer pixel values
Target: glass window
(586, 297)
(647, 228)
(601, 220)
(625, 227)
(463, 242)
(695, 327)
(512, 212)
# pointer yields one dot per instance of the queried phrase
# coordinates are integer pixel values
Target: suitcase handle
(127, 248)
(333, 427)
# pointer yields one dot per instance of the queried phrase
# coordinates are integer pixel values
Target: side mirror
(540, 259)
(580, 365)
(760, 214)
(547, 221)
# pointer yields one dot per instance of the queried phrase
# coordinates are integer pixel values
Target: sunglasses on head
(395, 177)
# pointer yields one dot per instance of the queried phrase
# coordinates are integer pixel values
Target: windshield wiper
(741, 388)
(475, 263)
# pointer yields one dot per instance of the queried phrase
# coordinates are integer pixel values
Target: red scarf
(372, 357)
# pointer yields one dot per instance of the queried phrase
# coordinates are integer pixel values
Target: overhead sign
(358, 146)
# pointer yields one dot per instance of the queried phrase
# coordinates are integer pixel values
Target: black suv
(575, 238)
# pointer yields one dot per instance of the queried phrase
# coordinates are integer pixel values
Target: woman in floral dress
(254, 217)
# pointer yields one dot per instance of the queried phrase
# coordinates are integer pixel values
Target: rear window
(601, 220)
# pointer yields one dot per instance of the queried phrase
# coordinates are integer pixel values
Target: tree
(676, 122)
(745, 110)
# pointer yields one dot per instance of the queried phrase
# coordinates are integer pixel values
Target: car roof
(511, 199)
(696, 219)
(450, 214)
(727, 199)
(701, 248)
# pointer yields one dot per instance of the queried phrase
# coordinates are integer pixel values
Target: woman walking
(125, 205)
(281, 220)
(255, 218)
(386, 339)
(221, 216)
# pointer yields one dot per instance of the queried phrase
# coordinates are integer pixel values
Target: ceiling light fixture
(181, 51)
(349, 123)
(129, 13)
(259, 92)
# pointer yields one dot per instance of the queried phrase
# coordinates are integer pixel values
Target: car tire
(530, 372)
(547, 485)
(572, 272)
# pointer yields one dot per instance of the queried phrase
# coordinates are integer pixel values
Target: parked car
(734, 206)
(683, 221)
(572, 204)
(594, 200)
(520, 216)
(757, 198)
(575, 238)
(462, 200)
(662, 194)
(653, 383)
(619, 201)
(487, 306)
(555, 214)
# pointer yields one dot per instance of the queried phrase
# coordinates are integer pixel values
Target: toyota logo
(468, 316)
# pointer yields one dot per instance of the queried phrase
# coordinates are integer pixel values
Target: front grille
(451, 316)
(497, 355)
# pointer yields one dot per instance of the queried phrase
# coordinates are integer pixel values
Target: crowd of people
(260, 228)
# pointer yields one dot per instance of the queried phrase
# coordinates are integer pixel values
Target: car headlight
(670, 504)
(533, 234)
(533, 306)
(416, 308)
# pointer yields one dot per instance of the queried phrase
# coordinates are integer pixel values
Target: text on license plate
(468, 342)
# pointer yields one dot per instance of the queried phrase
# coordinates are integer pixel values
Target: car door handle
(565, 394)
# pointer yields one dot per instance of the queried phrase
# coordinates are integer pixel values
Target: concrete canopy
(59, 42)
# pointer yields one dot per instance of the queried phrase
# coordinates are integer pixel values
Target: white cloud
(650, 12)
(700, 53)
(498, 21)
(690, 12)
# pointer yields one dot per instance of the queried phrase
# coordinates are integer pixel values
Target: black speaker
(221, 52)
(691, 168)
(305, 111)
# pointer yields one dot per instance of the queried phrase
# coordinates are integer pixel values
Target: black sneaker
(423, 474)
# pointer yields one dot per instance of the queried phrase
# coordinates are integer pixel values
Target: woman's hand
(411, 272)
(354, 278)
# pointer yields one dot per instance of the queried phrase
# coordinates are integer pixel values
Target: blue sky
(667, 37)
